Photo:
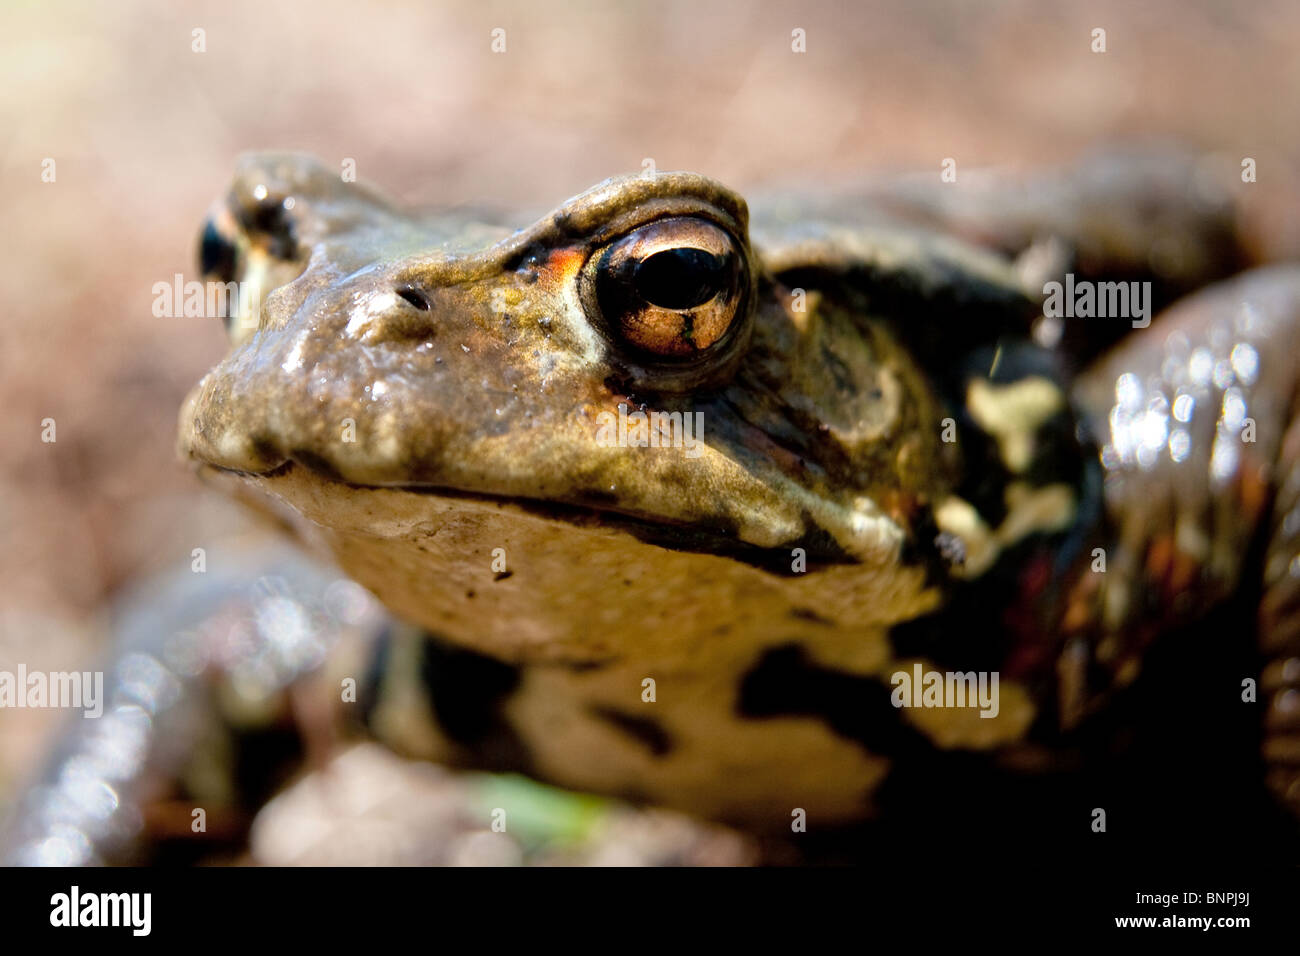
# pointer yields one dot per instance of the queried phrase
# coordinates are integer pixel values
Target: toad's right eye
(672, 290)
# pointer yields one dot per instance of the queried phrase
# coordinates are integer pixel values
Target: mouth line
(821, 549)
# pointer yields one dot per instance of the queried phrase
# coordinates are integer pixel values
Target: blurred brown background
(144, 132)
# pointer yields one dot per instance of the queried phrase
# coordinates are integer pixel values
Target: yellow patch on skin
(958, 517)
(1029, 510)
(1012, 413)
(951, 727)
(584, 753)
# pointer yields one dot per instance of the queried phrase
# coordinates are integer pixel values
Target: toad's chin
(538, 582)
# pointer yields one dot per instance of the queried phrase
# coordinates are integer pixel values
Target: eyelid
(662, 210)
(674, 233)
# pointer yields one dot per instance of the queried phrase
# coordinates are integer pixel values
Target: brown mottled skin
(488, 419)
(897, 465)
(475, 400)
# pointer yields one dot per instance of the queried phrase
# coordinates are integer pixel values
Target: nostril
(415, 297)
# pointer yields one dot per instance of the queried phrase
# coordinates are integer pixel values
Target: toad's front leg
(1198, 422)
(215, 693)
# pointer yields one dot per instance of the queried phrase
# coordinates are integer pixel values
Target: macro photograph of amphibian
(650, 435)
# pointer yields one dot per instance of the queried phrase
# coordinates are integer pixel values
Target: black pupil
(680, 278)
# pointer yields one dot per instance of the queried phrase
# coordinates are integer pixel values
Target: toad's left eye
(672, 289)
(217, 254)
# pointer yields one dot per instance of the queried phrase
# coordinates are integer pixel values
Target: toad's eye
(217, 254)
(672, 289)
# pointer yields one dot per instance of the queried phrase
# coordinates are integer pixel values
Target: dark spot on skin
(924, 546)
(984, 484)
(265, 447)
(807, 614)
(927, 789)
(1058, 454)
(786, 682)
(945, 636)
(316, 463)
(502, 575)
(467, 691)
(585, 667)
(528, 259)
(469, 594)
(561, 221)
(415, 297)
(975, 311)
(642, 729)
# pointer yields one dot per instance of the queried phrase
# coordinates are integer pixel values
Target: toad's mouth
(322, 497)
